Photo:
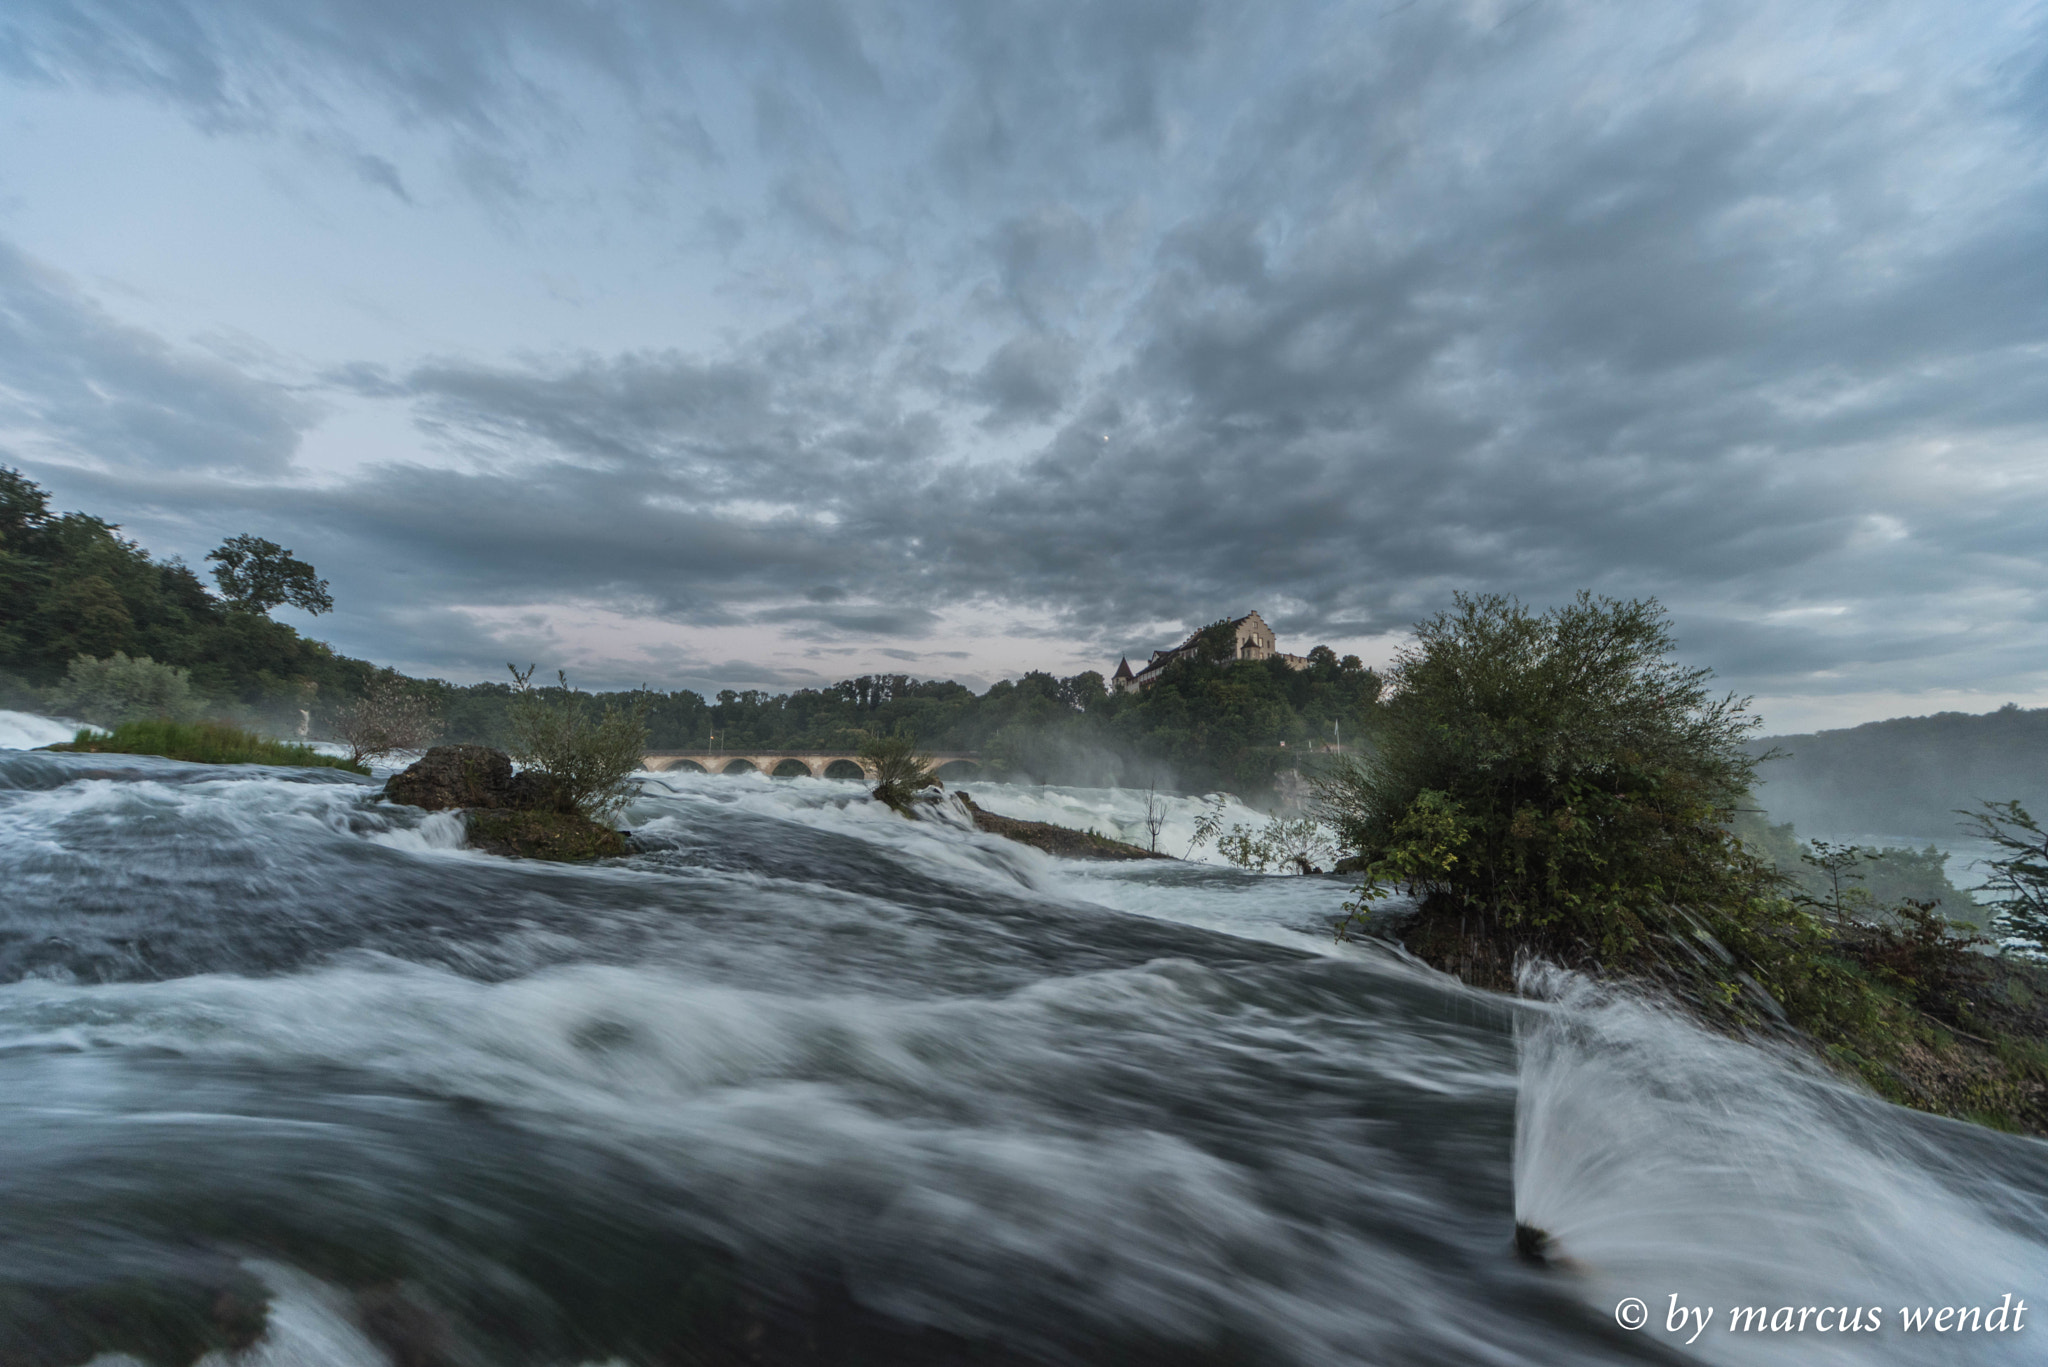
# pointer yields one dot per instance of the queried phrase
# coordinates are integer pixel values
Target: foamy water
(805, 1081)
(30, 731)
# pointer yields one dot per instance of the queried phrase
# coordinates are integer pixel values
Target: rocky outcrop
(471, 777)
(503, 812)
(1056, 840)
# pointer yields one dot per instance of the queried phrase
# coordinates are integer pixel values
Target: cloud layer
(1013, 329)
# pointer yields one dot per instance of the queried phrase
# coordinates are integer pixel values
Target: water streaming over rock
(805, 1082)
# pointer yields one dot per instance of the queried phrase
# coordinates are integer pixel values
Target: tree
(1216, 643)
(257, 575)
(2020, 879)
(24, 509)
(1556, 781)
(387, 720)
(1834, 865)
(1155, 816)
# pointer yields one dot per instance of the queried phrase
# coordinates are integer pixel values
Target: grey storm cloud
(1329, 308)
(1027, 379)
(73, 375)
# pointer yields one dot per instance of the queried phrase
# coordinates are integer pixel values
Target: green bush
(900, 772)
(590, 754)
(120, 689)
(1556, 786)
(1300, 845)
(202, 743)
(1556, 777)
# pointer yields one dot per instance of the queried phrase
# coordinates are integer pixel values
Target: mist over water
(810, 1082)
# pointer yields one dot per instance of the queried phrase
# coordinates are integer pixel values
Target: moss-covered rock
(522, 814)
(561, 836)
(472, 776)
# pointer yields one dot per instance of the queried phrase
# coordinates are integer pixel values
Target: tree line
(92, 624)
(72, 587)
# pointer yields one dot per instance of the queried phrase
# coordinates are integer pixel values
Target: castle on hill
(1253, 640)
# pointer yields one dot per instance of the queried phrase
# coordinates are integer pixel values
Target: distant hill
(1906, 776)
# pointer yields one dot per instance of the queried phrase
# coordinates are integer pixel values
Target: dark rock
(535, 792)
(455, 776)
(473, 777)
(1532, 1245)
(1055, 840)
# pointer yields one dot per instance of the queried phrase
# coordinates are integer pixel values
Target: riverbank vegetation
(1555, 786)
(92, 626)
(1208, 725)
(1883, 875)
(202, 743)
(72, 587)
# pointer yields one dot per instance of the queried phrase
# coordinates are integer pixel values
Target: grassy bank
(203, 742)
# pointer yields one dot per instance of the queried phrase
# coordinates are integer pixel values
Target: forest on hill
(1209, 724)
(1908, 775)
(79, 600)
(72, 586)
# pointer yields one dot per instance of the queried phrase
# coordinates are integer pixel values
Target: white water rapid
(289, 1076)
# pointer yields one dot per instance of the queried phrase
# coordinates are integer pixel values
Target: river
(805, 1082)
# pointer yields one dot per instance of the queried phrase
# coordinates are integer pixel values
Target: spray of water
(1056, 1109)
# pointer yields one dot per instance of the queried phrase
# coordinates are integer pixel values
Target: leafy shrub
(1556, 786)
(590, 755)
(120, 689)
(209, 742)
(900, 772)
(1301, 844)
(1557, 777)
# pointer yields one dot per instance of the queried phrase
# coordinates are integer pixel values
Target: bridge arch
(955, 769)
(738, 766)
(685, 766)
(846, 768)
(791, 768)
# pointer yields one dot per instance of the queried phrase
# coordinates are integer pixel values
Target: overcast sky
(757, 345)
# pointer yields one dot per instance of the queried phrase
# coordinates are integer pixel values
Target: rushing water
(803, 1082)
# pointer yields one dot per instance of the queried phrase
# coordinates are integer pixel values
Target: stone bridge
(794, 763)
